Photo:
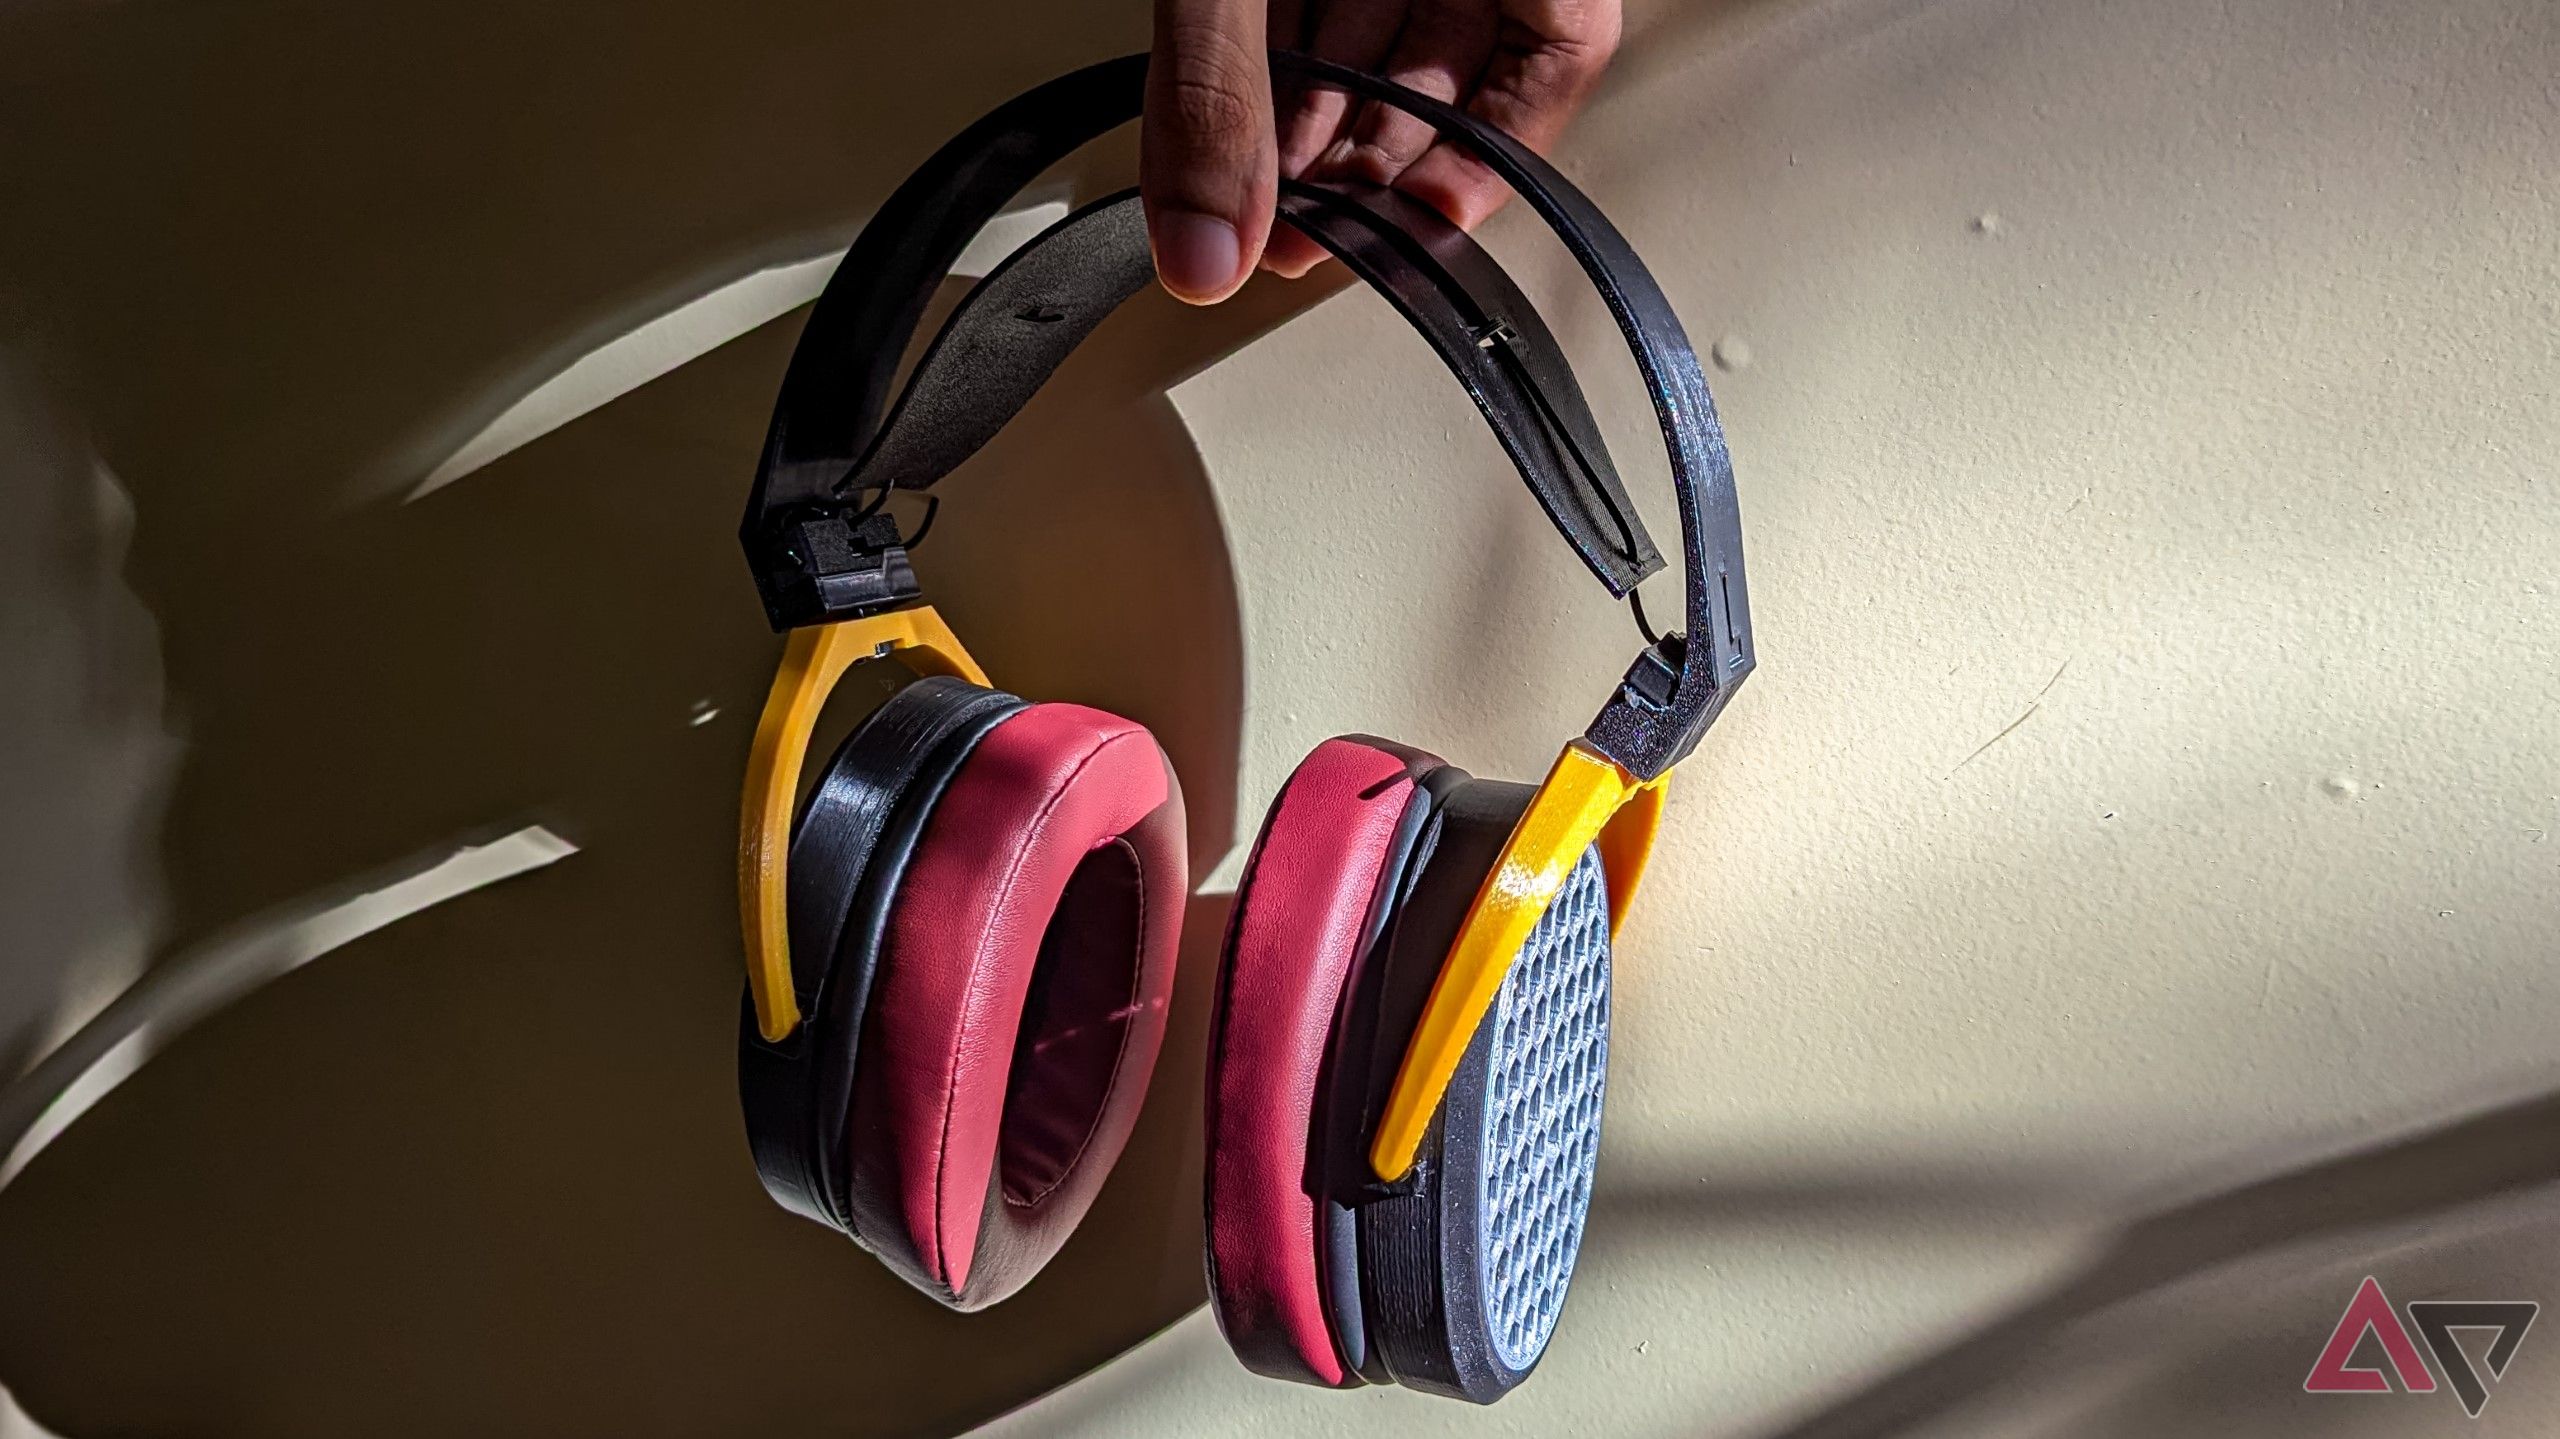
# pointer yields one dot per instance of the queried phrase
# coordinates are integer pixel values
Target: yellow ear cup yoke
(814, 661)
(1585, 800)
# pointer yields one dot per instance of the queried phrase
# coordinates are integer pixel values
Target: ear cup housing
(1466, 1262)
(1009, 879)
(1357, 1070)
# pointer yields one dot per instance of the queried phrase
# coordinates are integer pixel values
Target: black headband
(816, 557)
(1020, 323)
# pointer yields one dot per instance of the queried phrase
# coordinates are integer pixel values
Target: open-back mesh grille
(1541, 1140)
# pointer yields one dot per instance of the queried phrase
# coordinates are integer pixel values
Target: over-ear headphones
(961, 943)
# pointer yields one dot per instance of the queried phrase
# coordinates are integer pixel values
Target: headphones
(961, 943)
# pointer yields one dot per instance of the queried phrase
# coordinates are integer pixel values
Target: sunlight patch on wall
(689, 331)
(177, 993)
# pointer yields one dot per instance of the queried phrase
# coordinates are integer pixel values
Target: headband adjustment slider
(821, 565)
(1664, 705)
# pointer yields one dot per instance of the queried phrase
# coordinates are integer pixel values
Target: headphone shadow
(482, 1170)
(2201, 1316)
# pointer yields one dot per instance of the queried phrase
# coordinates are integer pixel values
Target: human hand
(1213, 146)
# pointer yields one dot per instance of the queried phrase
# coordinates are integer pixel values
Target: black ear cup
(1469, 1266)
(849, 846)
(1461, 1268)
(1380, 1005)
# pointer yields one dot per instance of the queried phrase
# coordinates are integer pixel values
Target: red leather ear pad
(1020, 1000)
(1303, 911)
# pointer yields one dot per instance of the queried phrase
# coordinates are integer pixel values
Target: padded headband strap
(1018, 325)
(831, 407)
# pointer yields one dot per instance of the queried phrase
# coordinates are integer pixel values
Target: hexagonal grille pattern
(1541, 1141)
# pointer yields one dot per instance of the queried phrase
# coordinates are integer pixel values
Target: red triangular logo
(2369, 1310)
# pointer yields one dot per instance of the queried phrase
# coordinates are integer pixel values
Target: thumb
(1207, 161)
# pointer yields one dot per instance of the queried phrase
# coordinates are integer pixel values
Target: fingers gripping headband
(820, 554)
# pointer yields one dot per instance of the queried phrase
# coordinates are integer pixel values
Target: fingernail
(1197, 256)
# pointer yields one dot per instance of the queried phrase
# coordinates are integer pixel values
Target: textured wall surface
(2118, 916)
(2148, 419)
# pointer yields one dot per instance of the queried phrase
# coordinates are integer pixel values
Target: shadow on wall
(2202, 1316)
(482, 1171)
